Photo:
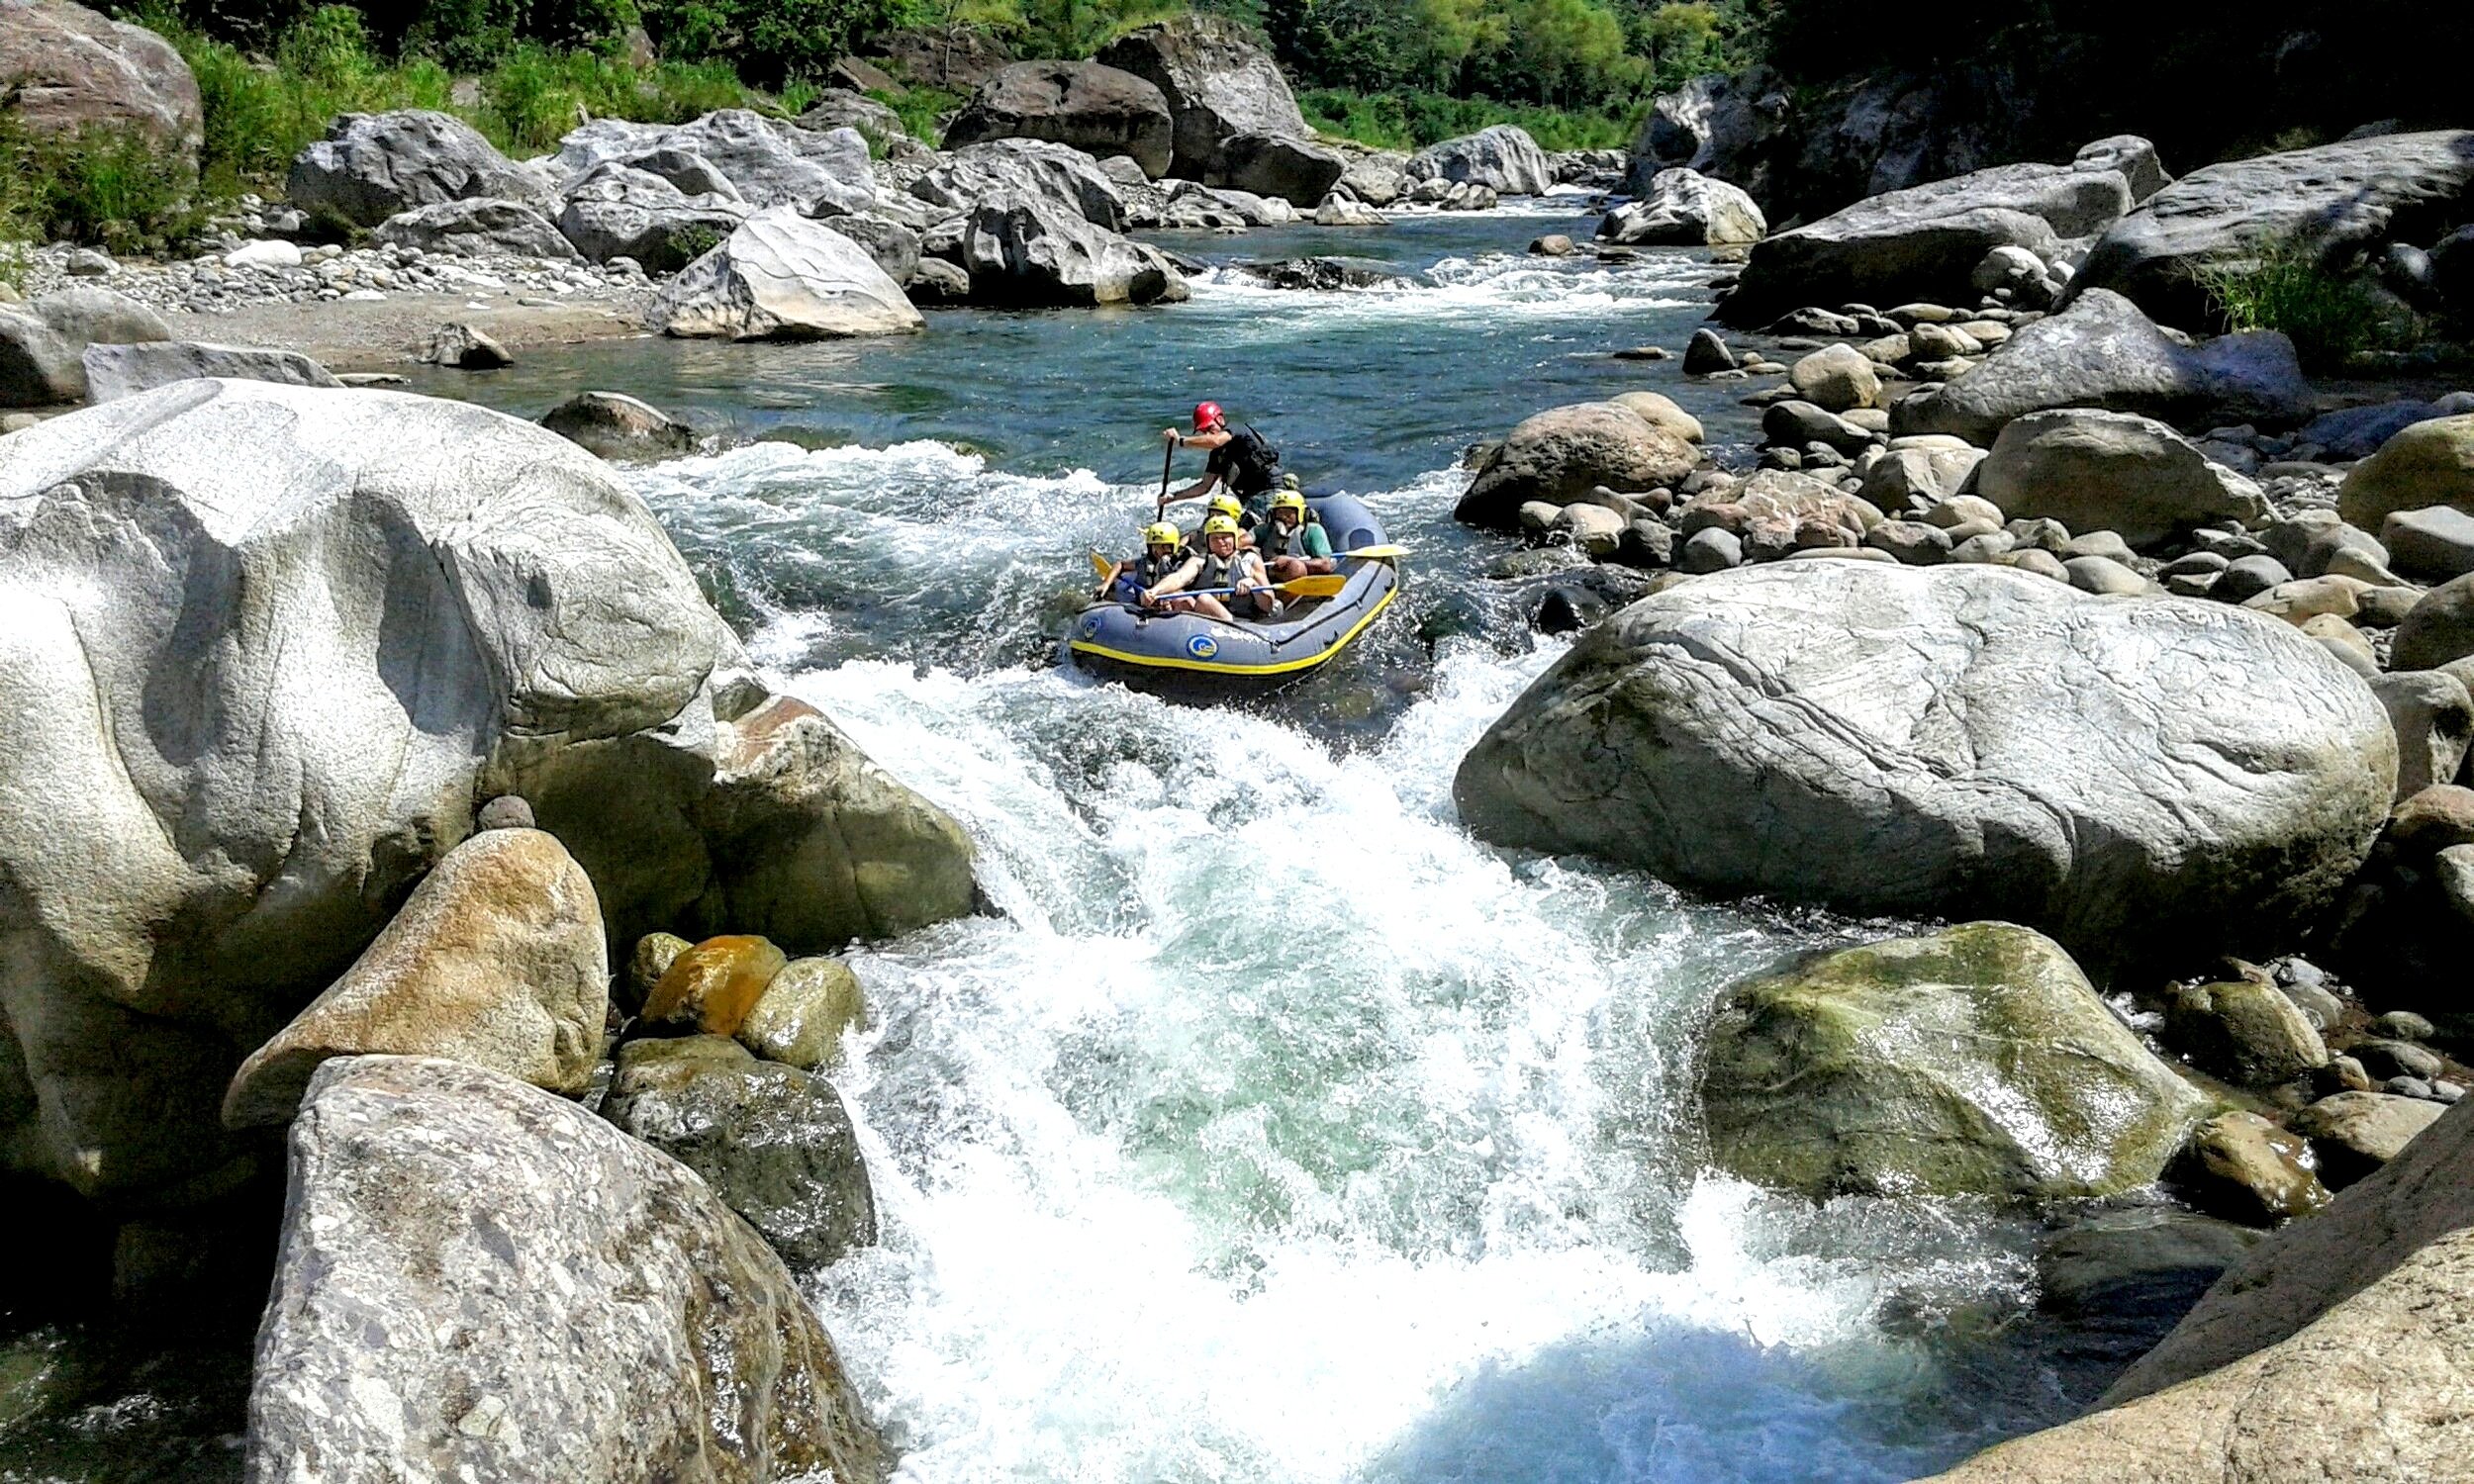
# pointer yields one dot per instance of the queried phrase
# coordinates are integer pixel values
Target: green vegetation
(534, 95)
(109, 187)
(1412, 120)
(1586, 56)
(2331, 314)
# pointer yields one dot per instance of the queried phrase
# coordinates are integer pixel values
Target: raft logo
(1090, 628)
(1203, 646)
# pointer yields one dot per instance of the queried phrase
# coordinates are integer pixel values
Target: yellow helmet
(1161, 534)
(1219, 525)
(1226, 504)
(1289, 482)
(1291, 499)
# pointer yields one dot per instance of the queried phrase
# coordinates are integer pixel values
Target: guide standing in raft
(1241, 459)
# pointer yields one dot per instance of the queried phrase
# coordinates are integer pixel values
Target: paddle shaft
(1167, 461)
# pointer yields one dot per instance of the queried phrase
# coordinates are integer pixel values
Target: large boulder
(1720, 125)
(116, 371)
(1278, 164)
(1056, 173)
(2134, 779)
(773, 1142)
(2103, 353)
(372, 166)
(1099, 109)
(42, 344)
(1028, 250)
(496, 960)
(620, 211)
(480, 1280)
(1974, 1061)
(64, 70)
(2336, 1348)
(1684, 208)
(2425, 464)
(781, 276)
(2333, 200)
(470, 229)
(1560, 454)
(766, 162)
(494, 613)
(1924, 242)
(1503, 158)
(2112, 471)
(1217, 82)
(618, 426)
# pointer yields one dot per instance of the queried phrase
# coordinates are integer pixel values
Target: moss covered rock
(1976, 1061)
(711, 987)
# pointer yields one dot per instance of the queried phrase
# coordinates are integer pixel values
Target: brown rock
(2431, 820)
(2355, 1133)
(652, 957)
(64, 69)
(496, 960)
(1560, 454)
(711, 987)
(2242, 1168)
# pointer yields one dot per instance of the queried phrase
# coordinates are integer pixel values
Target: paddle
(1167, 461)
(1377, 553)
(1323, 585)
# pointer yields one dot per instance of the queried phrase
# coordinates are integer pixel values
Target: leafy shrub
(919, 108)
(2329, 312)
(1414, 120)
(769, 41)
(115, 188)
(534, 95)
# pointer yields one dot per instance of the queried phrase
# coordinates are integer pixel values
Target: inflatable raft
(1189, 653)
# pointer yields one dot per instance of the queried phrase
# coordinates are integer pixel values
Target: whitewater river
(1277, 1131)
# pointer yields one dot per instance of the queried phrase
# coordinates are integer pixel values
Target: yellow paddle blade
(1321, 586)
(1377, 553)
(1101, 565)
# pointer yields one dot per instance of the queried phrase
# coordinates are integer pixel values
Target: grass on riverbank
(118, 191)
(1413, 120)
(2330, 315)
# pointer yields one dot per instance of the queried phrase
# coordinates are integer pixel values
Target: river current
(1277, 1129)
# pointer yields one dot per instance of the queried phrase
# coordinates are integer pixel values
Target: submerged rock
(1974, 1061)
(496, 959)
(480, 1281)
(618, 426)
(2132, 778)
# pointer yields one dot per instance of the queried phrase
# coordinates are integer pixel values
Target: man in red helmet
(1241, 459)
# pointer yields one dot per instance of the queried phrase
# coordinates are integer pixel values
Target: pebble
(275, 271)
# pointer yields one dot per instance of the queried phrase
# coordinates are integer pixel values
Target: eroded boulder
(2112, 471)
(2422, 465)
(2131, 778)
(480, 1281)
(620, 211)
(116, 371)
(372, 166)
(470, 229)
(1684, 208)
(1501, 158)
(1097, 108)
(1560, 454)
(1028, 250)
(547, 642)
(1218, 83)
(1056, 174)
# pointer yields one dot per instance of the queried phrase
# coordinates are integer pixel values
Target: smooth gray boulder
(2434, 545)
(471, 229)
(2134, 157)
(1295, 170)
(171, 720)
(371, 166)
(618, 211)
(1028, 250)
(1684, 208)
(768, 162)
(1097, 108)
(1719, 125)
(1218, 83)
(42, 344)
(2103, 353)
(2095, 470)
(2336, 1348)
(2330, 200)
(1503, 157)
(1056, 173)
(781, 276)
(1563, 453)
(2133, 779)
(1924, 242)
(116, 371)
(480, 1281)
(773, 1142)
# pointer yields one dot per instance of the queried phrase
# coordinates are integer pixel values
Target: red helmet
(1206, 413)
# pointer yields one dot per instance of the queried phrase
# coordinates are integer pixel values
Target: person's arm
(1176, 582)
(1318, 543)
(1196, 491)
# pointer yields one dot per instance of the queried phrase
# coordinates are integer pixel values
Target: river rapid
(1277, 1129)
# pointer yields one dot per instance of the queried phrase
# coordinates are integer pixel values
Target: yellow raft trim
(1161, 662)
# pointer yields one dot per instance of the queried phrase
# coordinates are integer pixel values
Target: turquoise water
(1277, 1131)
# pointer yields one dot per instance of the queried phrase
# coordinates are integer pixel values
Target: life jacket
(1219, 572)
(1268, 540)
(1253, 463)
(1143, 572)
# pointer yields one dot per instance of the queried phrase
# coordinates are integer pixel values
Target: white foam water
(1279, 1131)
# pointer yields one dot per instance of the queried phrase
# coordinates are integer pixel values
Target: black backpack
(1253, 463)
